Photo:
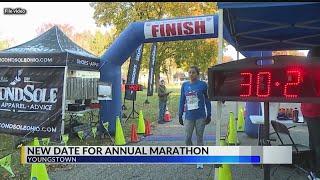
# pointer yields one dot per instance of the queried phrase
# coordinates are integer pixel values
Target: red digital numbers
(263, 84)
(133, 87)
(248, 84)
(290, 75)
(259, 84)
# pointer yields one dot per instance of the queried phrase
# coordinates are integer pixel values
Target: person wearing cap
(194, 94)
(311, 114)
(163, 97)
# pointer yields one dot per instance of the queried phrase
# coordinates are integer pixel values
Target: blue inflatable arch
(187, 28)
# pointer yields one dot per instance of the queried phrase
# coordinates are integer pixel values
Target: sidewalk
(171, 134)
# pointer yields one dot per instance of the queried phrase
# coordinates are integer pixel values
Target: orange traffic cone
(167, 116)
(148, 131)
(134, 136)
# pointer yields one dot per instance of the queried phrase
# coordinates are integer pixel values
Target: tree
(80, 39)
(83, 40)
(95, 44)
(185, 53)
(4, 44)
(100, 42)
(289, 52)
(66, 28)
(227, 59)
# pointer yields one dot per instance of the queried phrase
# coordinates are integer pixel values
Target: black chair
(78, 101)
(301, 154)
(87, 102)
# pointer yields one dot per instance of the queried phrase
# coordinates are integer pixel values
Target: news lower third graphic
(156, 154)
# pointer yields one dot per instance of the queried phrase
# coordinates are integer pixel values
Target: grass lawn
(150, 112)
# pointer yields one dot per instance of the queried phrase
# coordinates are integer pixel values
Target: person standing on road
(311, 114)
(194, 94)
(163, 97)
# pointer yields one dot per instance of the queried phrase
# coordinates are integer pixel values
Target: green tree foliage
(100, 42)
(185, 53)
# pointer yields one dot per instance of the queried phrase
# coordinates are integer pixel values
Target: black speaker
(76, 107)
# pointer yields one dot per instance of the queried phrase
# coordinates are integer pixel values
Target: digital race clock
(134, 87)
(286, 79)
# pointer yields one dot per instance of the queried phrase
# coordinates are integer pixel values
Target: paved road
(173, 171)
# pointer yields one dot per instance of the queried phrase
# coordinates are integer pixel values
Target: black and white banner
(78, 62)
(32, 59)
(31, 101)
(133, 73)
(74, 61)
(152, 63)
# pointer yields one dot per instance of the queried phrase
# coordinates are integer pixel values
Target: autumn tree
(81, 39)
(289, 52)
(184, 53)
(66, 28)
(96, 43)
(4, 44)
(227, 59)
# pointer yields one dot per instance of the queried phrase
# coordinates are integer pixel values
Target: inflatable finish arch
(188, 28)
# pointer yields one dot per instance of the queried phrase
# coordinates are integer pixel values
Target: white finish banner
(179, 27)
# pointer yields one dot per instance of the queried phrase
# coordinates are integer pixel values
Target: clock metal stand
(132, 112)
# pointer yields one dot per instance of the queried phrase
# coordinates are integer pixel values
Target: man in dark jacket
(163, 97)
